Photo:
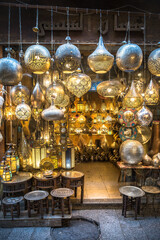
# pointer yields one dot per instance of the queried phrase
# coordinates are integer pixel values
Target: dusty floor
(113, 226)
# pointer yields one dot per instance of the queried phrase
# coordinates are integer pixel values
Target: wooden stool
(153, 193)
(60, 194)
(46, 183)
(74, 179)
(37, 200)
(11, 204)
(131, 197)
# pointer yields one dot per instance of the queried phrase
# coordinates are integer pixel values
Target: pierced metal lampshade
(52, 113)
(154, 62)
(37, 97)
(131, 151)
(67, 57)
(78, 84)
(56, 92)
(100, 61)
(37, 59)
(151, 95)
(64, 103)
(129, 57)
(132, 99)
(10, 71)
(19, 93)
(127, 117)
(109, 88)
(145, 116)
(23, 111)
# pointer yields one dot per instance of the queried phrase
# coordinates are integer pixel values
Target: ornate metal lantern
(52, 113)
(145, 116)
(10, 158)
(132, 99)
(38, 153)
(64, 103)
(129, 57)
(2, 165)
(100, 61)
(151, 95)
(126, 133)
(7, 174)
(37, 97)
(10, 71)
(37, 59)
(127, 117)
(19, 93)
(109, 88)
(68, 156)
(67, 57)
(78, 84)
(154, 62)
(23, 111)
(56, 92)
(131, 151)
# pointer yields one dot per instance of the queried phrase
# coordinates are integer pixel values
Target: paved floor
(112, 225)
(101, 180)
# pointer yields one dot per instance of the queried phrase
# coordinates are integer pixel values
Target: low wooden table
(37, 200)
(20, 184)
(44, 183)
(131, 195)
(152, 192)
(74, 179)
(11, 204)
(60, 194)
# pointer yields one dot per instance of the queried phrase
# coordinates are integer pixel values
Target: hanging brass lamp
(52, 113)
(78, 84)
(144, 115)
(132, 99)
(151, 95)
(154, 62)
(37, 97)
(110, 88)
(64, 103)
(19, 93)
(23, 111)
(100, 61)
(55, 91)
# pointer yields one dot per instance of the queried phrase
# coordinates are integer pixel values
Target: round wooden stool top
(62, 192)
(151, 189)
(36, 195)
(19, 178)
(12, 200)
(41, 177)
(73, 174)
(131, 191)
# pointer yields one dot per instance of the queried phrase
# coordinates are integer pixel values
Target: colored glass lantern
(132, 99)
(151, 96)
(11, 159)
(127, 117)
(100, 61)
(2, 165)
(7, 174)
(126, 133)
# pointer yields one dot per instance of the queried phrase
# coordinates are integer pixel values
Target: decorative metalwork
(78, 84)
(19, 93)
(128, 133)
(37, 59)
(64, 103)
(154, 62)
(37, 97)
(100, 61)
(109, 88)
(52, 113)
(132, 99)
(151, 96)
(55, 91)
(67, 57)
(127, 117)
(10, 71)
(23, 111)
(129, 57)
(131, 152)
(145, 116)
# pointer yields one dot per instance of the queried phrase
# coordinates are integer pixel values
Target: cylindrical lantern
(7, 174)
(2, 165)
(11, 158)
(38, 153)
(68, 156)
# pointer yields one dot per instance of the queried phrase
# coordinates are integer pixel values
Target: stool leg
(52, 205)
(69, 205)
(41, 208)
(4, 210)
(139, 205)
(125, 205)
(18, 209)
(82, 193)
(12, 211)
(75, 192)
(47, 206)
(29, 208)
(136, 208)
(62, 206)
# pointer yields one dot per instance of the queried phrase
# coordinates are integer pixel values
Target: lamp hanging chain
(67, 21)
(100, 27)
(9, 29)
(37, 25)
(144, 31)
(128, 27)
(20, 29)
(52, 48)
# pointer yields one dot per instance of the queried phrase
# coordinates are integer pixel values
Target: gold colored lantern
(9, 112)
(37, 59)
(100, 61)
(23, 111)
(132, 99)
(109, 88)
(64, 103)
(2, 165)
(68, 156)
(38, 153)
(80, 106)
(154, 62)
(151, 95)
(11, 159)
(78, 84)
(55, 91)
(81, 119)
(19, 93)
(37, 97)
(7, 174)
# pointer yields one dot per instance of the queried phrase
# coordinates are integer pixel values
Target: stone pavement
(113, 226)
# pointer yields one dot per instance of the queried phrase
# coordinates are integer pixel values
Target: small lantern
(38, 153)
(80, 106)
(11, 158)
(7, 174)
(2, 165)
(9, 113)
(68, 156)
